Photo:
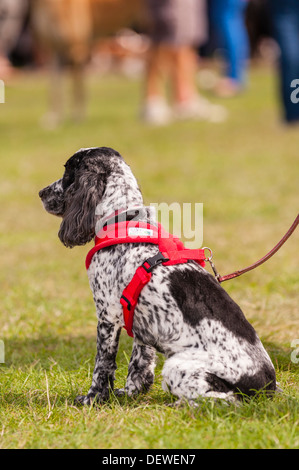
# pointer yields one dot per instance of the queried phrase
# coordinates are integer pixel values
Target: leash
(227, 277)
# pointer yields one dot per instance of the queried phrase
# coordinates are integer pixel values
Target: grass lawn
(245, 171)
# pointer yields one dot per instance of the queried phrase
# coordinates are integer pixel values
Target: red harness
(171, 251)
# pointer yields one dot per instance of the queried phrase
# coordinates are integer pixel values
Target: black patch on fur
(199, 296)
(217, 384)
(84, 182)
(249, 385)
(82, 159)
(264, 380)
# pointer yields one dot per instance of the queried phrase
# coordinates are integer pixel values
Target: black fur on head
(79, 192)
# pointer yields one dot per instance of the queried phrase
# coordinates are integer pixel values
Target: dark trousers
(285, 18)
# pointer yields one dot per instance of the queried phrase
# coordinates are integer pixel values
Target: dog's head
(76, 195)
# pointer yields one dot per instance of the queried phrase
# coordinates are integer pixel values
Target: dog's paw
(88, 400)
(182, 402)
(278, 390)
(119, 392)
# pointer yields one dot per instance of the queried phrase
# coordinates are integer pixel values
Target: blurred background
(196, 44)
(201, 99)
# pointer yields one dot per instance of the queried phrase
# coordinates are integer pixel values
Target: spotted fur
(211, 350)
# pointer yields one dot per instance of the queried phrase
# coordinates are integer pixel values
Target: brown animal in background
(66, 29)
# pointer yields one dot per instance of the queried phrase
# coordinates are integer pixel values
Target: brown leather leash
(254, 265)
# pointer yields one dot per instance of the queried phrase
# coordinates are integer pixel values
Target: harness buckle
(125, 302)
(150, 263)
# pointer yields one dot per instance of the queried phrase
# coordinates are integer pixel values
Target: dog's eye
(68, 179)
(69, 176)
(66, 182)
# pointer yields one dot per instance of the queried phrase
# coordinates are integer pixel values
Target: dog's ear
(81, 199)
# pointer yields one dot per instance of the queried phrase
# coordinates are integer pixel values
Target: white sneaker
(200, 108)
(156, 111)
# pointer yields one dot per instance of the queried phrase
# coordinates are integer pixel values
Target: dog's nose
(42, 192)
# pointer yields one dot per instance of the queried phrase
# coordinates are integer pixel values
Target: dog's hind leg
(140, 371)
(190, 379)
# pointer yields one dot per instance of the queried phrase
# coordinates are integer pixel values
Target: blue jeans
(228, 24)
(285, 17)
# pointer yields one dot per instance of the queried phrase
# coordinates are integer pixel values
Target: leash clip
(209, 260)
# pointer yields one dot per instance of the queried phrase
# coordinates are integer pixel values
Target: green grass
(245, 171)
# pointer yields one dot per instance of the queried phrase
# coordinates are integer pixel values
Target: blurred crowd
(169, 40)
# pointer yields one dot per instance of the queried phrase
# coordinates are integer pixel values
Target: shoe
(156, 112)
(200, 108)
(227, 88)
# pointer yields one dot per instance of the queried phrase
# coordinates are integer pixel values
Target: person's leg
(285, 14)
(187, 102)
(228, 19)
(237, 43)
(153, 72)
(183, 72)
(155, 109)
(175, 32)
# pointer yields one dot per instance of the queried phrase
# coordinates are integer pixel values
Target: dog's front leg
(105, 363)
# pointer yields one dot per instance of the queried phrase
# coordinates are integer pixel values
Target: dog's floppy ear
(81, 199)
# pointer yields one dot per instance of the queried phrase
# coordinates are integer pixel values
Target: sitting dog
(211, 350)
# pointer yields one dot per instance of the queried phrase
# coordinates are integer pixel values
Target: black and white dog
(210, 348)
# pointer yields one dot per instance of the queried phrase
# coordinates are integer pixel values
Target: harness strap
(171, 251)
(124, 232)
(143, 275)
(131, 293)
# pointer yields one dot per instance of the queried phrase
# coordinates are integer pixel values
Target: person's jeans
(285, 18)
(228, 23)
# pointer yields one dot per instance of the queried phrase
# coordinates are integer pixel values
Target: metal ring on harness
(211, 253)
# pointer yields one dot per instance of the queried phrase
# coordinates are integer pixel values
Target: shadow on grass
(256, 407)
(74, 351)
(280, 356)
(70, 353)
(64, 365)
